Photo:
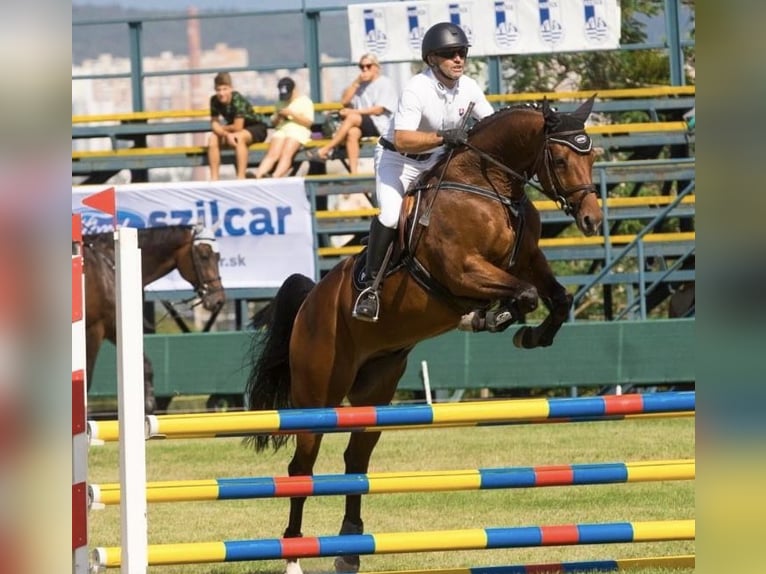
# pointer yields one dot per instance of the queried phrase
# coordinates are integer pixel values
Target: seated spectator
(292, 128)
(240, 127)
(368, 104)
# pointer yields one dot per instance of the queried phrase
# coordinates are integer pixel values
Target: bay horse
(468, 245)
(191, 250)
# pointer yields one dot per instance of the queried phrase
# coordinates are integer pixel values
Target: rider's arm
(407, 141)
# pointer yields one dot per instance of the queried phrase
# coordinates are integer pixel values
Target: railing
(615, 353)
(129, 133)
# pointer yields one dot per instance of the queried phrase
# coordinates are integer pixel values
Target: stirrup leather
(367, 305)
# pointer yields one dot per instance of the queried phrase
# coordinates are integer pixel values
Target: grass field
(433, 449)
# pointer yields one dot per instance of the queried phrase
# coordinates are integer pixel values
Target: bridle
(558, 192)
(561, 195)
(203, 236)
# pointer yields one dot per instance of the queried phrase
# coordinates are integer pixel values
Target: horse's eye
(560, 162)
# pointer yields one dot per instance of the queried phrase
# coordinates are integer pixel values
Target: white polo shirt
(427, 105)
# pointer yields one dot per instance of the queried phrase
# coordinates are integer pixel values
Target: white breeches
(393, 175)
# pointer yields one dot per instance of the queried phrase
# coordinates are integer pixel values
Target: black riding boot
(367, 305)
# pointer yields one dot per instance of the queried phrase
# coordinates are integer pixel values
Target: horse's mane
(146, 236)
(554, 121)
(500, 113)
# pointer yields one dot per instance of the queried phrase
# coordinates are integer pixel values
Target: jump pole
(399, 482)
(405, 542)
(130, 336)
(79, 408)
(345, 419)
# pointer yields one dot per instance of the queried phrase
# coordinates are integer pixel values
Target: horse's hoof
(518, 337)
(293, 567)
(342, 566)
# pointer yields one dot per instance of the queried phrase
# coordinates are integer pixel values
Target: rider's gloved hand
(454, 137)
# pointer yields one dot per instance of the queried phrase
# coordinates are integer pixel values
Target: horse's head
(565, 171)
(206, 276)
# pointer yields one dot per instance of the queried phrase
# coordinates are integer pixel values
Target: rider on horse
(429, 120)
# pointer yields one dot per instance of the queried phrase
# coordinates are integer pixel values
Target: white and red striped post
(79, 408)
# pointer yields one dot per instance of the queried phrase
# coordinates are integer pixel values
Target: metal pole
(136, 66)
(494, 78)
(311, 33)
(675, 54)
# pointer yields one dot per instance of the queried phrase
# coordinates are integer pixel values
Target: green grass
(420, 450)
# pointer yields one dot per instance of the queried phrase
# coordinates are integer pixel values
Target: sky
(217, 5)
(655, 28)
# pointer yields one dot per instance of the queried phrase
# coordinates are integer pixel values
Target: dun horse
(467, 256)
(191, 250)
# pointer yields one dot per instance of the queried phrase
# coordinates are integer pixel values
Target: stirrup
(367, 305)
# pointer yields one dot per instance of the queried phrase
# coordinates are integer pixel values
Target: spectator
(241, 126)
(368, 104)
(292, 128)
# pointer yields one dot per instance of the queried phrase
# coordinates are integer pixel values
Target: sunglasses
(450, 53)
(365, 66)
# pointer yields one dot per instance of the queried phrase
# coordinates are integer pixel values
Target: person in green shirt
(234, 124)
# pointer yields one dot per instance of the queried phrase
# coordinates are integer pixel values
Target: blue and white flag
(394, 30)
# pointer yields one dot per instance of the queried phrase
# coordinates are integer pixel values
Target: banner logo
(415, 28)
(551, 27)
(506, 23)
(375, 38)
(460, 15)
(96, 221)
(596, 26)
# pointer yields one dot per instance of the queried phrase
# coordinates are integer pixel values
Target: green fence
(584, 354)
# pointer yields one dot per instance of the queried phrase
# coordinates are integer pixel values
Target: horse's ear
(549, 113)
(584, 110)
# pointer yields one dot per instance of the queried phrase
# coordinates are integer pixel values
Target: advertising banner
(393, 31)
(263, 227)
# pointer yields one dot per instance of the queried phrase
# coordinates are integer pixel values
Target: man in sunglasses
(368, 104)
(429, 120)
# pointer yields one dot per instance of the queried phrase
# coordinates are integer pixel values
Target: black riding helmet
(441, 36)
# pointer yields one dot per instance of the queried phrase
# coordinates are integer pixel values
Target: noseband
(204, 237)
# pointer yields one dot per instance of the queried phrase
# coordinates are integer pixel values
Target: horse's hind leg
(374, 385)
(357, 457)
(306, 451)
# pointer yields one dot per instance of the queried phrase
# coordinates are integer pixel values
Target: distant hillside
(268, 38)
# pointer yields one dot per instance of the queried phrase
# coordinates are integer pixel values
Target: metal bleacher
(128, 133)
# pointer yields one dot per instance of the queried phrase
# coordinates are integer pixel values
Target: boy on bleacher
(240, 126)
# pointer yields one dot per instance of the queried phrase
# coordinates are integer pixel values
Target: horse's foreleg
(357, 458)
(306, 451)
(556, 299)
(479, 279)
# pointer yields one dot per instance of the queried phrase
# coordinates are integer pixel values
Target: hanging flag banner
(393, 31)
(263, 227)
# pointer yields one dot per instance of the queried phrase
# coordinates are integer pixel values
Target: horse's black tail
(268, 384)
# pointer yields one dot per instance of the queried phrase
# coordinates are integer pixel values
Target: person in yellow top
(292, 128)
